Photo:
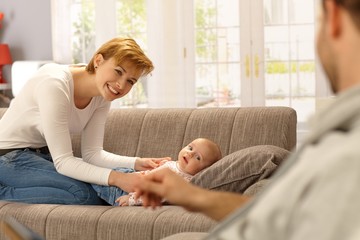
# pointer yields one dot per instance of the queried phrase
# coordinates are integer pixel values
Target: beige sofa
(157, 133)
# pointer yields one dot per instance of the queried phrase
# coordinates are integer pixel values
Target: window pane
(302, 42)
(83, 30)
(289, 55)
(228, 13)
(205, 13)
(275, 12)
(217, 57)
(215, 85)
(276, 43)
(206, 45)
(228, 44)
(131, 22)
(301, 11)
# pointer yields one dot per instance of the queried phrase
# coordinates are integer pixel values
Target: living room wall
(27, 30)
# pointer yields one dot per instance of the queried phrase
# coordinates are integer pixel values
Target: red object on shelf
(5, 58)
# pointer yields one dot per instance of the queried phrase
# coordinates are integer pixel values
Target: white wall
(27, 30)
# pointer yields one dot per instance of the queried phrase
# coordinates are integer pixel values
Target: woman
(37, 164)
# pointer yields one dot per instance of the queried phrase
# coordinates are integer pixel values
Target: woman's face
(114, 81)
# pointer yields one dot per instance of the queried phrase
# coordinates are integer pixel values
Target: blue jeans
(31, 177)
(110, 193)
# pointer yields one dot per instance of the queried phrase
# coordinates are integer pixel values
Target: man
(315, 195)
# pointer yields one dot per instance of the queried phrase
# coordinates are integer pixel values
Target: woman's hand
(142, 164)
(125, 181)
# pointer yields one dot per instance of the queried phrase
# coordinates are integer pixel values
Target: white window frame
(171, 47)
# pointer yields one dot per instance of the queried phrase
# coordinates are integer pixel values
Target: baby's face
(195, 156)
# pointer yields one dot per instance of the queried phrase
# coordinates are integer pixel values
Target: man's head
(338, 41)
(198, 155)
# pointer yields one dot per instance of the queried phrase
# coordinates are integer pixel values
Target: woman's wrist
(125, 181)
(111, 180)
(136, 163)
(114, 177)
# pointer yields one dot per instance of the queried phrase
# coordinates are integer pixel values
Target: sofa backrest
(163, 132)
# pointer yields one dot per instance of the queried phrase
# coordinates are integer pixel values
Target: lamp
(5, 58)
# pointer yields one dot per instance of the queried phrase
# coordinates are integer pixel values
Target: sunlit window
(217, 53)
(289, 55)
(285, 37)
(83, 30)
(131, 22)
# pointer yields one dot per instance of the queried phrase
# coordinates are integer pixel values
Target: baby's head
(198, 155)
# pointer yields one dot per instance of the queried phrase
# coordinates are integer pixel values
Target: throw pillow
(239, 170)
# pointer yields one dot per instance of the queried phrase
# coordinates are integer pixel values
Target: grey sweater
(316, 194)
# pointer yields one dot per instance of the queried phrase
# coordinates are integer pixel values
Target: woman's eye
(131, 82)
(119, 72)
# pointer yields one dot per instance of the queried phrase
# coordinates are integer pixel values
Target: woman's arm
(92, 146)
(92, 138)
(53, 99)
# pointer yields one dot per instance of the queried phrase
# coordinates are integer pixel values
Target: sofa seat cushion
(187, 236)
(236, 172)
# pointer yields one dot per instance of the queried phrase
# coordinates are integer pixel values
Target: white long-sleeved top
(44, 114)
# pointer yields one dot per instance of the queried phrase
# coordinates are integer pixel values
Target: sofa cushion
(241, 169)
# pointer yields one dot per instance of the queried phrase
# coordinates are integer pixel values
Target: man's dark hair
(352, 6)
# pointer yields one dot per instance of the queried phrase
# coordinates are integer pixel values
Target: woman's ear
(98, 60)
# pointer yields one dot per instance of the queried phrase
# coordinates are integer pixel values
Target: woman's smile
(112, 89)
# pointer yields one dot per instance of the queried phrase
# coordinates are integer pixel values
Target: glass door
(255, 53)
(217, 53)
(290, 78)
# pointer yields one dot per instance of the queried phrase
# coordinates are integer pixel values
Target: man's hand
(165, 184)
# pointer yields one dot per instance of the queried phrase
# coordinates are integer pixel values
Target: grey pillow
(241, 169)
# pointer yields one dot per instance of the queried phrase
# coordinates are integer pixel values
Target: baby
(196, 156)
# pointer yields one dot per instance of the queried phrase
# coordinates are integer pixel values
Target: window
(131, 22)
(217, 61)
(83, 30)
(210, 52)
(289, 55)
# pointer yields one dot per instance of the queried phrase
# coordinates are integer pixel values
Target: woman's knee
(84, 194)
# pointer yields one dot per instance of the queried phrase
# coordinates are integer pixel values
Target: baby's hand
(123, 200)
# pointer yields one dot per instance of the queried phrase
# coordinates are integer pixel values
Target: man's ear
(333, 15)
